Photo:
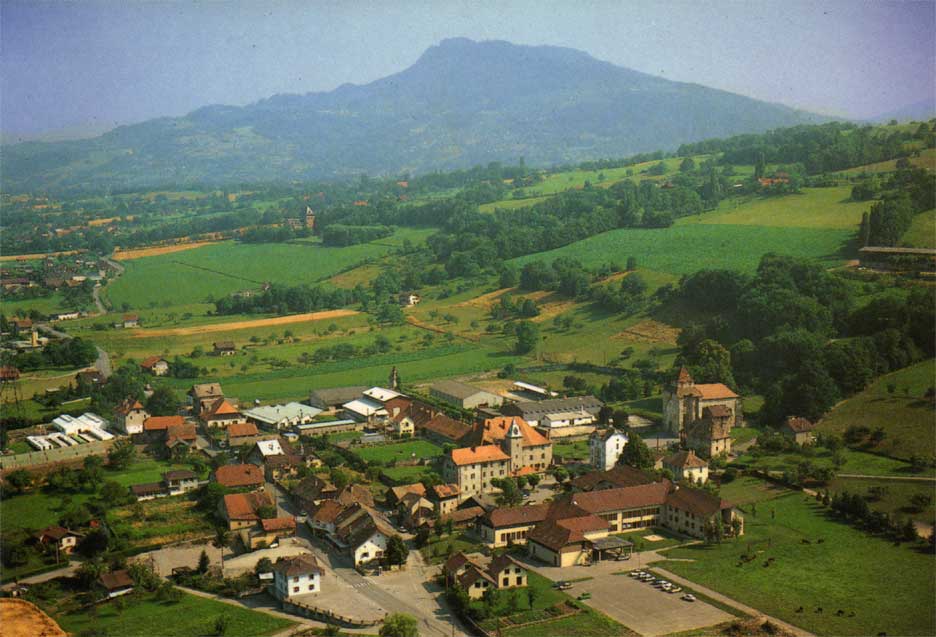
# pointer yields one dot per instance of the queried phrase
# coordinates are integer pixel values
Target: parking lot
(638, 605)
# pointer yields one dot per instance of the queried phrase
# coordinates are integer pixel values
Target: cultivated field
(244, 325)
(139, 253)
(20, 618)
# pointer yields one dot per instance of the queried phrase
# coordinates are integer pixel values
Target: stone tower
(309, 218)
(514, 449)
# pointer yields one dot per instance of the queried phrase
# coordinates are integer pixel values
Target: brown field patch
(39, 255)
(243, 325)
(485, 301)
(19, 618)
(649, 331)
(139, 253)
(361, 274)
(103, 222)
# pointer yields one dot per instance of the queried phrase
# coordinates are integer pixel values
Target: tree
(221, 625)
(510, 494)
(636, 453)
(687, 165)
(397, 553)
(210, 495)
(163, 402)
(113, 493)
(19, 480)
(204, 562)
(399, 625)
(122, 454)
(528, 336)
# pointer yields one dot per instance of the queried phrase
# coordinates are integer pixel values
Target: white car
(689, 597)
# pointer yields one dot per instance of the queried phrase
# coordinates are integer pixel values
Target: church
(701, 414)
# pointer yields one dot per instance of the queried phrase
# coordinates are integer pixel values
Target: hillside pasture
(908, 419)
(922, 232)
(686, 248)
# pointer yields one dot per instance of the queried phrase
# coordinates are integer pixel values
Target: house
(239, 476)
(148, 491)
(685, 401)
(131, 320)
(264, 449)
(710, 435)
(296, 575)
(362, 532)
(282, 416)
(224, 348)
(414, 510)
(395, 494)
(566, 541)
(180, 436)
(242, 510)
(116, 583)
(504, 526)
(567, 424)
(312, 490)
(408, 299)
(204, 394)
(685, 465)
(242, 433)
(268, 532)
(444, 497)
(605, 448)
(179, 481)
(221, 413)
(130, 416)
(476, 573)
(287, 465)
(463, 395)
(335, 397)
(155, 427)
(58, 537)
(799, 430)
(534, 412)
(499, 447)
(364, 409)
(155, 365)
(322, 517)
(442, 429)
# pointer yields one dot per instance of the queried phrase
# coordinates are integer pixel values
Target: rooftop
(275, 414)
(239, 475)
(473, 455)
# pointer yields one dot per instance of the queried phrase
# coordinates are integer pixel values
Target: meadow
(395, 452)
(688, 247)
(844, 572)
(922, 232)
(891, 496)
(906, 416)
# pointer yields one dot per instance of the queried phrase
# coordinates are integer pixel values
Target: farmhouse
(239, 476)
(475, 573)
(605, 448)
(242, 510)
(131, 320)
(536, 411)
(116, 583)
(267, 532)
(297, 575)
(204, 394)
(130, 416)
(148, 491)
(362, 532)
(510, 525)
(685, 465)
(444, 497)
(221, 413)
(224, 348)
(155, 365)
(180, 481)
(799, 430)
(464, 396)
(239, 434)
(59, 537)
(178, 436)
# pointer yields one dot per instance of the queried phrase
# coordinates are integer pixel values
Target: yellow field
(139, 253)
(20, 618)
(244, 325)
(39, 255)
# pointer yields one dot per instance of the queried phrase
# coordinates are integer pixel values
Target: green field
(686, 248)
(745, 490)
(895, 499)
(820, 208)
(846, 571)
(908, 419)
(395, 452)
(190, 617)
(922, 233)
(52, 304)
(856, 462)
(212, 271)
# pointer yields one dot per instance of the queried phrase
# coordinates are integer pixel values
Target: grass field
(215, 270)
(908, 419)
(896, 497)
(51, 304)
(922, 233)
(856, 462)
(745, 490)
(189, 617)
(411, 449)
(927, 159)
(846, 571)
(686, 248)
(577, 450)
(821, 208)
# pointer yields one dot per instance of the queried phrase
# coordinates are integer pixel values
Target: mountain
(921, 111)
(462, 103)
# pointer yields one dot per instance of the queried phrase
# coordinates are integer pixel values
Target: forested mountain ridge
(462, 103)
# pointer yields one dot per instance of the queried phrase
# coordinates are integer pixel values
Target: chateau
(702, 415)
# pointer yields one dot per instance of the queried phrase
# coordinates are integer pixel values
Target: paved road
(96, 297)
(102, 363)
(65, 571)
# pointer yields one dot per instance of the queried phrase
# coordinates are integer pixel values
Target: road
(65, 571)
(102, 363)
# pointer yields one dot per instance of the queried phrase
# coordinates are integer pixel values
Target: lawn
(191, 617)
(688, 247)
(922, 232)
(395, 452)
(856, 462)
(746, 489)
(437, 548)
(743, 434)
(52, 304)
(643, 544)
(577, 450)
(846, 571)
(820, 208)
(163, 520)
(908, 419)
(409, 475)
(895, 499)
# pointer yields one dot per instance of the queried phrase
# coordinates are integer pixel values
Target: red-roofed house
(239, 476)
(242, 510)
(242, 434)
(130, 416)
(155, 365)
(268, 532)
(221, 413)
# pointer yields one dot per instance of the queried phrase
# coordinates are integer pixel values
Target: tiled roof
(516, 516)
(622, 498)
(205, 390)
(446, 427)
(685, 460)
(355, 493)
(243, 506)
(696, 501)
(242, 429)
(501, 562)
(456, 389)
(179, 474)
(221, 407)
(473, 455)
(160, 423)
(537, 409)
(463, 515)
(279, 524)
(716, 411)
(239, 475)
(224, 345)
(443, 491)
(55, 532)
(297, 565)
(619, 476)
(327, 512)
(472, 575)
(149, 488)
(184, 432)
(417, 487)
(128, 405)
(116, 580)
(715, 391)
(798, 425)
(150, 361)
(684, 376)
(494, 430)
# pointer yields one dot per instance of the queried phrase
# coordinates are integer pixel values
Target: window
(295, 589)
(506, 582)
(519, 580)
(312, 586)
(295, 579)
(477, 584)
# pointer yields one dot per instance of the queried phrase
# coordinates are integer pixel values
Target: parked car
(674, 589)
(584, 596)
(563, 585)
(689, 597)
(635, 573)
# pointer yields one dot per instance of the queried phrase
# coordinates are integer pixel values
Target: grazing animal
(819, 609)
(799, 610)
(839, 612)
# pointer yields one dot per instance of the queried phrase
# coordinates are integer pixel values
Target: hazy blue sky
(76, 64)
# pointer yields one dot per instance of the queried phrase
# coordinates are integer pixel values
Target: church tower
(514, 449)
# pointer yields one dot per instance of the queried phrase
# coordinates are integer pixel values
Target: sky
(71, 68)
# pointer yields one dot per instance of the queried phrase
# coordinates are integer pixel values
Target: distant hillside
(462, 103)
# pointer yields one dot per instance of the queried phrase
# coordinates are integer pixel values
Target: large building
(702, 415)
(605, 448)
(464, 396)
(499, 448)
(535, 412)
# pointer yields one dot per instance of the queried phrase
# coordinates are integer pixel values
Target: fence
(53, 456)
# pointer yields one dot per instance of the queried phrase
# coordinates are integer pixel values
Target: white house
(381, 394)
(685, 465)
(605, 448)
(364, 409)
(578, 422)
(130, 416)
(297, 575)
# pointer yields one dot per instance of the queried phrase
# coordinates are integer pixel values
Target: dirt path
(243, 325)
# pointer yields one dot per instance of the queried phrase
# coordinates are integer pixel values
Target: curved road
(102, 364)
